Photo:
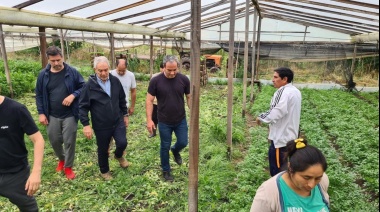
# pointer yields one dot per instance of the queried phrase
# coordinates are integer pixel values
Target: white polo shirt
(284, 115)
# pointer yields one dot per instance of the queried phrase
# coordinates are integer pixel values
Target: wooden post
(245, 58)
(5, 59)
(230, 79)
(258, 49)
(351, 75)
(151, 56)
(61, 38)
(195, 57)
(253, 55)
(43, 46)
(112, 48)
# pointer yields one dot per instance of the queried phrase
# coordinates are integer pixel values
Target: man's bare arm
(34, 181)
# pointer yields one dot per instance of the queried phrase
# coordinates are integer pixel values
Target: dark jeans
(275, 160)
(12, 187)
(103, 138)
(166, 131)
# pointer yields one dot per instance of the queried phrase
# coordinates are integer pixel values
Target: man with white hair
(103, 96)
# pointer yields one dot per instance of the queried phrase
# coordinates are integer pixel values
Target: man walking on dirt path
(283, 117)
(17, 182)
(57, 93)
(104, 97)
(169, 88)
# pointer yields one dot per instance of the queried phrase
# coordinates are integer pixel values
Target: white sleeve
(279, 108)
(134, 84)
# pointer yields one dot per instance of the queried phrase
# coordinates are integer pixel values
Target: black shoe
(177, 158)
(168, 176)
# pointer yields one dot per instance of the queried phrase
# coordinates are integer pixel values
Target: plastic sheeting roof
(348, 16)
(342, 16)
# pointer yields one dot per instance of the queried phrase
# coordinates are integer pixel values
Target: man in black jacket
(104, 97)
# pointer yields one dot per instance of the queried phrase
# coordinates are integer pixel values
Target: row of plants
(352, 126)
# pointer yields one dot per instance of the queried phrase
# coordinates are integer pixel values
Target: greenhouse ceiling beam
(331, 6)
(81, 7)
(362, 4)
(313, 24)
(206, 14)
(320, 10)
(151, 11)
(238, 11)
(204, 9)
(26, 4)
(257, 6)
(321, 17)
(120, 9)
(13, 16)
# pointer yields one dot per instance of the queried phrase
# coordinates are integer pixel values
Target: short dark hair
(53, 51)
(302, 158)
(118, 61)
(162, 65)
(285, 72)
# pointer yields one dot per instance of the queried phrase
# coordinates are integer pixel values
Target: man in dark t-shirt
(169, 88)
(57, 97)
(16, 182)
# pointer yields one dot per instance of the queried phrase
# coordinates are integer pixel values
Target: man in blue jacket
(103, 96)
(57, 95)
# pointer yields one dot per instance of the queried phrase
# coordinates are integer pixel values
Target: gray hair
(170, 59)
(100, 59)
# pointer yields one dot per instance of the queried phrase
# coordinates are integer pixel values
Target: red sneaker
(69, 173)
(59, 168)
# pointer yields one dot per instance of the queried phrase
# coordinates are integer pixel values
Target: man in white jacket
(283, 117)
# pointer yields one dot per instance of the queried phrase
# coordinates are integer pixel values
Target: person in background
(17, 183)
(155, 107)
(283, 117)
(57, 93)
(103, 96)
(128, 81)
(303, 187)
(169, 88)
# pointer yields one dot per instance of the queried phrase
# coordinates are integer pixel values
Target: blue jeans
(103, 138)
(166, 131)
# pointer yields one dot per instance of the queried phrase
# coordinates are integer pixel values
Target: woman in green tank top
(302, 188)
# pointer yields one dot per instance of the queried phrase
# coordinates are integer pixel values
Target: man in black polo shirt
(16, 182)
(169, 88)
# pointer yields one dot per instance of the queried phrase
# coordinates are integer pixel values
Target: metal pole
(230, 79)
(5, 59)
(220, 33)
(253, 55)
(194, 106)
(247, 6)
(304, 37)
